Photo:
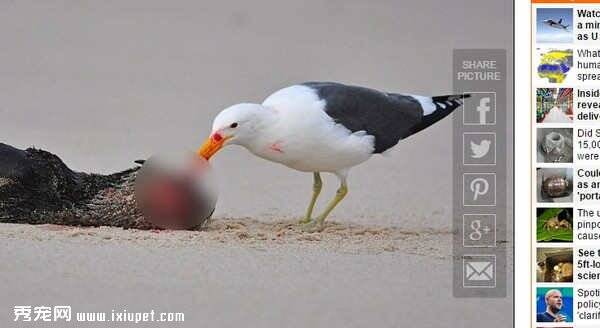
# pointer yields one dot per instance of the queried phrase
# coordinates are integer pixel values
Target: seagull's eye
(233, 125)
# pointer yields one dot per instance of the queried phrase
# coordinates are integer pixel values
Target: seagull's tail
(444, 105)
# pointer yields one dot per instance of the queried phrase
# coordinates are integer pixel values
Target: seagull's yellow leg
(317, 185)
(317, 225)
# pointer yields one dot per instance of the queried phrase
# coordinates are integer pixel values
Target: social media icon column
(479, 189)
(480, 167)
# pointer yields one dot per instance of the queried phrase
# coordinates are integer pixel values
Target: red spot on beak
(217, 137)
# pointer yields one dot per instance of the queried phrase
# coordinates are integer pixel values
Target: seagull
(325, 127)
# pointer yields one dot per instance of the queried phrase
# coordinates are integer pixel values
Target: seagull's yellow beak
(212, 145)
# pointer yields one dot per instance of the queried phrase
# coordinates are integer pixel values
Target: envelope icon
(479, 271)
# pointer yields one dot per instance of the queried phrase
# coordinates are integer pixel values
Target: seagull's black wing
(388, 117)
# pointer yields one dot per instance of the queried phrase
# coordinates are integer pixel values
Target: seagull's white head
(237, 124)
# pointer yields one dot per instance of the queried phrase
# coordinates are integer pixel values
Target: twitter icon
(479, 148)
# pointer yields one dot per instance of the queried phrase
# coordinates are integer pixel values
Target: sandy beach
(239, 273)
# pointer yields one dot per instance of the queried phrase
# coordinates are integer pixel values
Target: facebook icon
(480, 109)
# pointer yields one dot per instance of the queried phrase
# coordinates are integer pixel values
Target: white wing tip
(426, 104)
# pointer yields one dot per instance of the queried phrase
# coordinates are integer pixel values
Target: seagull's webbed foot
(318, 224)
(312, 226)
(305, 221)
(317, 185)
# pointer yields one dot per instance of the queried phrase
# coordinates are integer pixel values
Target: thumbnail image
(554, 65)
(554, 304)
(554, 225)
(554, 265)
(555, 145)
(554, 105)
(555, 185)
(554, 25)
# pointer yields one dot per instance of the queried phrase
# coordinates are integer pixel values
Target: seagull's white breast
(305, 138)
